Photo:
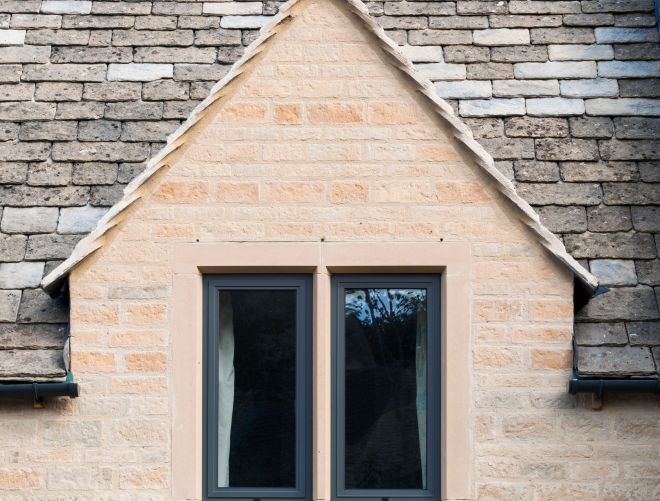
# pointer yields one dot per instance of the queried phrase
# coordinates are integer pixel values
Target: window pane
(257, 389)
(385, 388)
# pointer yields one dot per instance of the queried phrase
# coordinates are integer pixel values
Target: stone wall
(562, 93)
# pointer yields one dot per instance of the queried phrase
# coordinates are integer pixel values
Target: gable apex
(178, 141)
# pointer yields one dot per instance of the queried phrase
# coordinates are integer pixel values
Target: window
(386, 387)
(257, 387)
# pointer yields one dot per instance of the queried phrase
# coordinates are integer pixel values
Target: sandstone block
(554, 106)
(492, 107)
(611, 360)
(30, 196)
(528, 21)
(630, 150)
(589, 88)
(23, 111)
(544, 7)
(162, 22)
(414, 8)
(144, 72)
(562, 35)
(609, 218)
(614, 272)
(638, 51)
(519, 53)
(465, 54)
(16, 92)
(24, 151)
(112, 91)
(101, 151)
(591, 127)
(130, 110)
(12, 247)
(560, 194)
(625, 35)
(66, 7)
(79, 219)
(46, 37)
(471, 7)
(13, 172)
(536, 127)
(152, 38)
(440, 37)
(49, 174)
(471, 89)
(79, 110)
(148, 131)
(218, 36)
(12, 37)
(571, 149)
(403, 23)
(48, 247)
(59, 91)
(106, 195)
(48, 131)
(525, 88)
(589, 19)
(611, 246)
(501, 36)
(626, 303)
(555, 69)
(175, 54)
(563, 219)
(631, 193)
(504, 148)
(95, 173)
(628, 69)
(20, 275)
(99, 130)
(535, 171)
(9, 302)
(490, 71)
(598, 334)
(164, 90)
(458, 23)
(244, 22)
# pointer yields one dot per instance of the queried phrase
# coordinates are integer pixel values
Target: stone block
(32, 21)
(536, 127)
(37, 306)
(16, 92)
(630, 150)
(232, 8)
(79, 219)
(628, 69)
(555, 69)
(562, 35)
(55, 130)
(217, 37)
(106, 196)
(631, 193)
(611, 246)
(144, 72)
(589, 88)
(625, 35)
(529, 21)
(131, 110)
(12, 247)
(442, 71)
(148, 131)
(112, 91)
(560, 194)
(422, 53)
(501, 36)
(505, 148)
(100, 151)
(646, 218)
(13, 172)
(562, 149)
(59, 91)
(637, 128)
(166, 22)
(197, 22)
(544, 7)
(31, 196)
(554, 106)
(99, 130)
(244, 22)
(440, 37)
(11, 73)
(624, 361)
(492, 107)
(563, 219)
(616, 5)
(485, 127)
(472, 7)
(9, 302)
(24, 151)
(92, 55)
(175, 54)
(602, 19)
(79, 110)
(458, 23)
(20, 275)
(401, 23)
(591, 127)
(609, 218)
(648, 171)
(65, 72)
(414, 8)
(49, 174)
(622, 303)
(94, 173)
(623, 106)
(489, 71)
(200, 72)
(644, 333)
(580, 52)
(23, 54)
(648, 272)
(50, 246)
(12, 37)
(29, 220)
(600, 334)
(525, 88)
(471, 89)
(8, 132)
(23, 111)
(66, 7)
(614, 272)
(31, 364)
(599, 171)
(520, 53)
(535, 171)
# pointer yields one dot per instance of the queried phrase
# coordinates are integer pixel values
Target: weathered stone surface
(571, 149)
(625, 35)
(501, 36)
(489, 71)
(50, 246)
(112, 91)
(626, 303)
(99, 130)
(37, 306)
(30, 196)
(563, 219)
(9, 303)
(623, 106)
(20, 275)
(18, 364)
(508, 148)
(12, 247)
(464, 90)
(94, 173)
(100, 151)
(648, 272)
(599, 171)
(519, 53)
(614, 271)
(65, 72)
(628, 69)
(536, 127)
(605, 218)
(535, 171)
(637, 128)
(237, 22)
(644, 333)
(556, 69)
(646, 218)
(580, 52)
(639, 51)
(589, 88)
(629, 150)
(48, 131)
(649, 171)
(554, 106)
(611, 245)
(615, 361)
(591, 127)
(525, 88)
(66, 7)
(440, 37)
(79, 219)
(560, 194)
(601, 334)
(29, 220)
(144, 72)
(442, 71)
(631, 193)
(492, 107)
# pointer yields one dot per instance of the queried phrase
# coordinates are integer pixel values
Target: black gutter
(600, 386)
(39, 390)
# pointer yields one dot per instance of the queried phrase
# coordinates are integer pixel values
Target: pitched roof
(462, 134)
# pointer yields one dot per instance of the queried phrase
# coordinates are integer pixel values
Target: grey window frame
(212, 284)
(432, 284)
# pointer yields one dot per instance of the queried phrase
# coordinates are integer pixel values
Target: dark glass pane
(257, 389)
(385, 407)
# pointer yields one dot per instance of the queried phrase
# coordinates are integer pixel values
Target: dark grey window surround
(432, 284)
(302, 284)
